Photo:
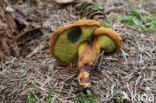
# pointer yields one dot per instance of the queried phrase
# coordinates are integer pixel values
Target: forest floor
(126, 77)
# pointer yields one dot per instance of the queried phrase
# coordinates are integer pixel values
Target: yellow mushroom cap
(113, 35)
(63, 44)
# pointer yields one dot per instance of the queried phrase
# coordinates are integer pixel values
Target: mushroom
(81, 43)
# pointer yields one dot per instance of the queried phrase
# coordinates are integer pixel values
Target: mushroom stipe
(81, 44)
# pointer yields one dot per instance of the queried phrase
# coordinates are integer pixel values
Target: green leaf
(31, 98)
(97, 5)
(134, 13)
(141, 21)
(89, 93)
(118, 99)
(56, 102)
(49, 96)
(107, 25)
(86, 99)
(33, 84)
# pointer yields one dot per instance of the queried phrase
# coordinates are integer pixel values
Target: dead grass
(130, 72)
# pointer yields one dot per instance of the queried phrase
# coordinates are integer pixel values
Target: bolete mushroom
(81, 43)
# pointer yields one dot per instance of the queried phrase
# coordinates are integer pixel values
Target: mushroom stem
(87, 55)
(83, 77)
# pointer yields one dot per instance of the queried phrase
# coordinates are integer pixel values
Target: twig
(49, 79)
(124, 55)
(100, 59)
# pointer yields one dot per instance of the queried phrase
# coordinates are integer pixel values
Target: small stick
(100, 59)
(124, 55)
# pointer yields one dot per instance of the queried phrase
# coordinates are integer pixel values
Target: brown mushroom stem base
(87, 55)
